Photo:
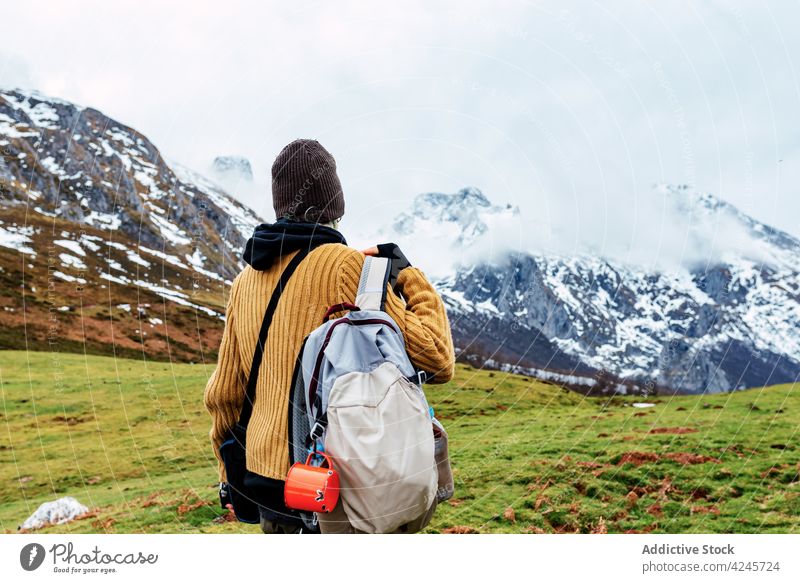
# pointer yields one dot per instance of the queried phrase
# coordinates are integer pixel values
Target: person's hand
(392, 252)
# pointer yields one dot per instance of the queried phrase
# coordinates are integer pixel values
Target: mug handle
(324, 455)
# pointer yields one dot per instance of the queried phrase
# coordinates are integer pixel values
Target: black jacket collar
(273, 240)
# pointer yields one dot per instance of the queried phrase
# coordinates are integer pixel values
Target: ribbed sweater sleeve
(224, 392)
(429, 341)
(422, 317)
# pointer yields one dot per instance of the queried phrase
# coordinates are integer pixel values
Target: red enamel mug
(312, 488)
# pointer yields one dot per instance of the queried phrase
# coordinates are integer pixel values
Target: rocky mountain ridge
(600, 323)
(96, 227)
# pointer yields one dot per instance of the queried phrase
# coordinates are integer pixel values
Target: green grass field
(128, 439)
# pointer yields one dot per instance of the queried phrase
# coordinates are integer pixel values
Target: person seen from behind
(309, 204)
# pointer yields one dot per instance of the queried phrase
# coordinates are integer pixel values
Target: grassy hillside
(104, 301)
(129, 439)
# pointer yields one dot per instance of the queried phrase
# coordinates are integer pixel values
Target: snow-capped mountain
(89, 204)
(604, 325)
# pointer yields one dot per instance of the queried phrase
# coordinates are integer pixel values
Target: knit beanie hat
(305, 186)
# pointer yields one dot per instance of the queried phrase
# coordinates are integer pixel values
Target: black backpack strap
(250, 394)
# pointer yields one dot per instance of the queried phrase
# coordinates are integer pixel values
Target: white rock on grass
(59, 511)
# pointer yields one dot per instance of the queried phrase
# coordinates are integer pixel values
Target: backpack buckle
(317, 431)
(419, 378)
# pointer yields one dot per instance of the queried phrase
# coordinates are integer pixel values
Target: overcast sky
(571, 113)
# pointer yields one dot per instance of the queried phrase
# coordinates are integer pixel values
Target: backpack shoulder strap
(250, 394)
(371, 294)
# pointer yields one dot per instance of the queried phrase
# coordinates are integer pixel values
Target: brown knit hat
(305, 186)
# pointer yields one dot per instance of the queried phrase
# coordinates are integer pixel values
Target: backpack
(356, 394)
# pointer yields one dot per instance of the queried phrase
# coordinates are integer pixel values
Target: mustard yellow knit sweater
(328, 276)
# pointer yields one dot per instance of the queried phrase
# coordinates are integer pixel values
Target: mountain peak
(473, 195)
(460, 216)
(33, 98)
(688, 199)
(469, 196)
(726, 223)
(232, 167)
